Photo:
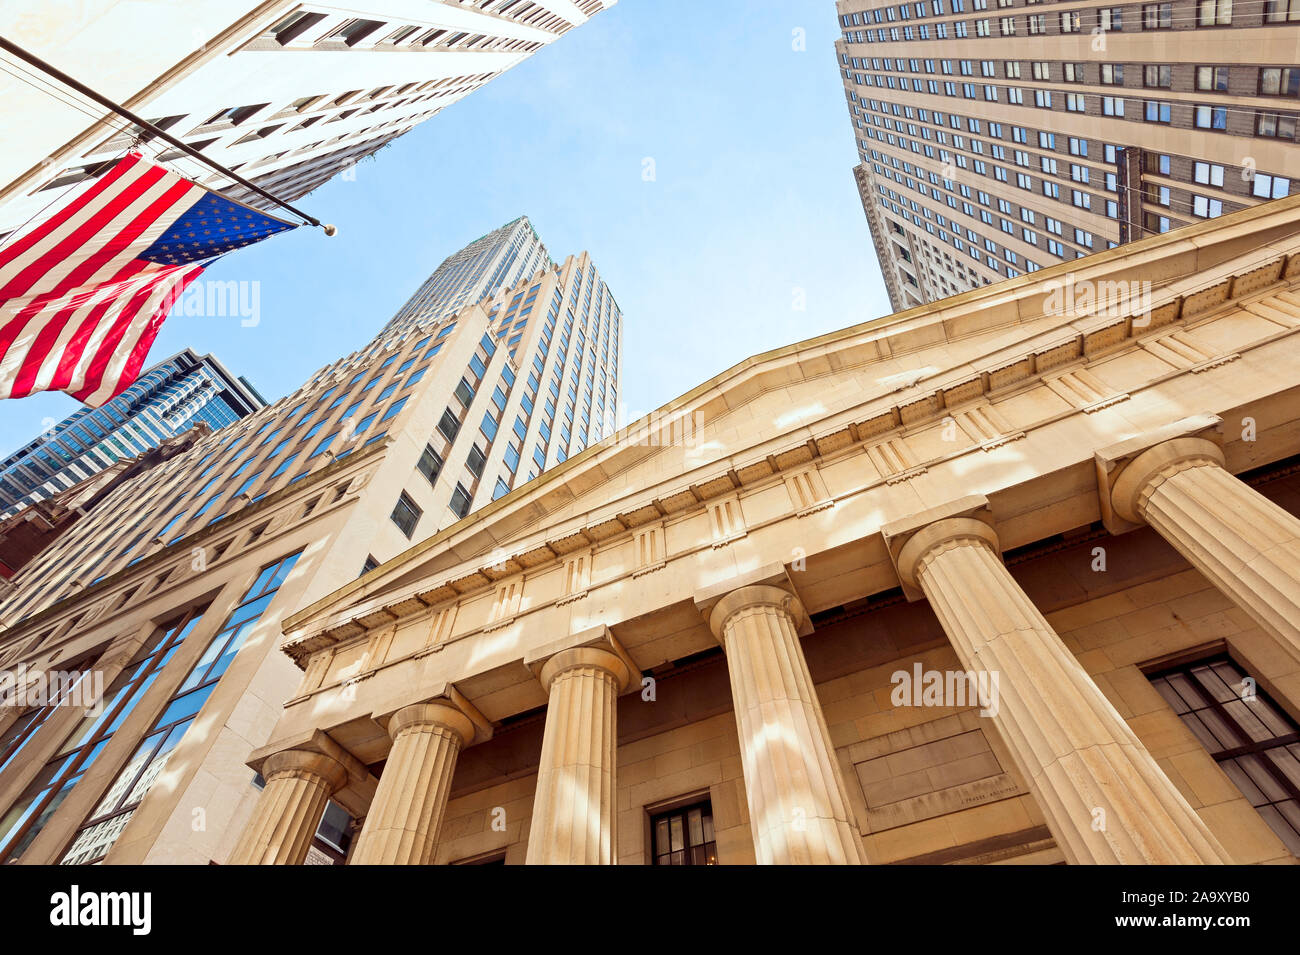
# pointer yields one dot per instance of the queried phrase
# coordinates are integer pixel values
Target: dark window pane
(1255, 742)
(406, 515)
(684, 836)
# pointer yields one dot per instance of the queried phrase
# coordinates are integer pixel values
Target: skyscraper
(173, 586)
(997, 137)
(283, 93)
(497, 260)
(165, 401)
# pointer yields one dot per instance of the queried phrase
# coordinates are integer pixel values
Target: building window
(685, 836)
(324, 445)
(1213, 79)
(1205, 207)
(1157, 76)
(400, 34)
(460, 500)
(1214, 13)
(464, 392)
(1279, 125)
(1251, 738)
(284, 465)
(476, 460)
(369, 565)
(1157, 112)
(1276, 81)
(1158, 224)
(294, 26)
(1270, 187)
(449, 425)
(406, 514)
(333, 837)
(354, 31)
(20, 733)
(1277, 11)
(1211, 117)
(98, 833)
(37, 804)
(430, 464)
(235, 115)
(393, 409)
(1157, 16)
(1207, 174)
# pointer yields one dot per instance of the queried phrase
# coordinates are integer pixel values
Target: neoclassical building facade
(1014, 577)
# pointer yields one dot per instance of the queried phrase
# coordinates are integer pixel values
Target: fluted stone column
(1241, 541)
(573, 810)
(1104, 797)
(799, 810)
(406, 814)
(298, 786)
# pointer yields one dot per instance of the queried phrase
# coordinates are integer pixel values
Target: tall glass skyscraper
(497, 260)
(167, 400)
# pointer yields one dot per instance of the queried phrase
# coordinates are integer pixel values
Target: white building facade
(285, 94)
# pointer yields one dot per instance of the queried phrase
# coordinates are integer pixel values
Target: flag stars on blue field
(212, 227)
(182, 236)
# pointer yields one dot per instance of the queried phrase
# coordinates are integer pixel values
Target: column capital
(357, 791)
(771, 576)
(406, 813)
(909, 539)
(442, 713)
(596, 646)
(299, 785)
(304, 763)
(433, 693)
(758, 595)
(1129, 470)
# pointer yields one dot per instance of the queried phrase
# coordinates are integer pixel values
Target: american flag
(84, 293)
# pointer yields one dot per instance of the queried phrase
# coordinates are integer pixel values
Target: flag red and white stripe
(84, 293)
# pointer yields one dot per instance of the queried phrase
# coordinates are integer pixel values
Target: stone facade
(1052, 509)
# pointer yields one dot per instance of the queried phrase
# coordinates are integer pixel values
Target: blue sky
(752, 207)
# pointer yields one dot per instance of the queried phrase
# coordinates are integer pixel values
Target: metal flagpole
(162, 134)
